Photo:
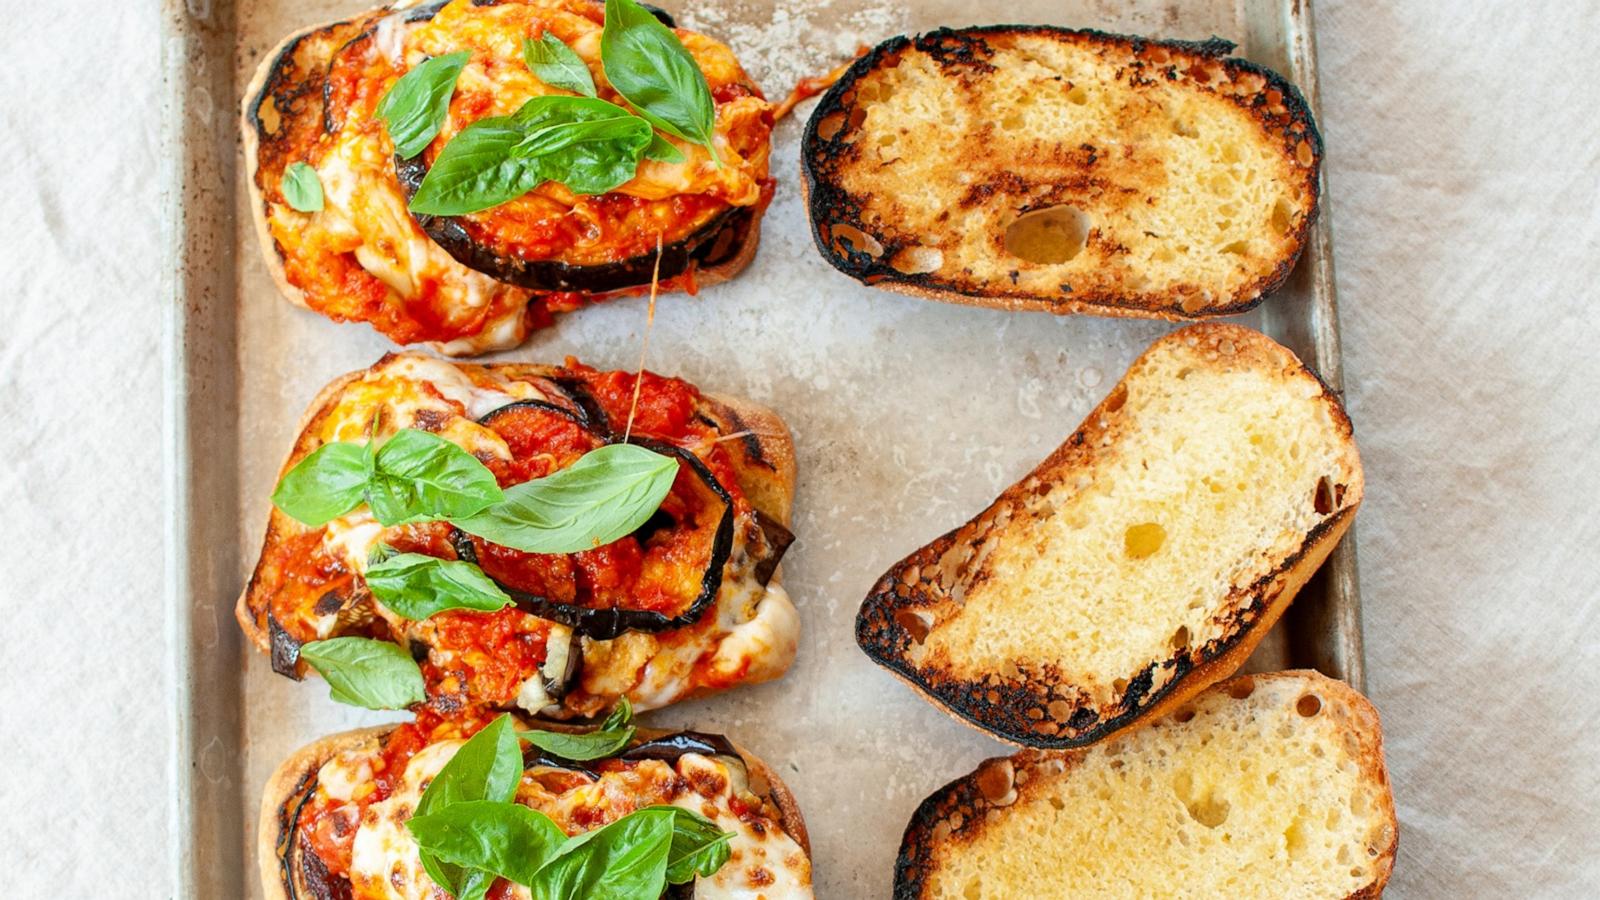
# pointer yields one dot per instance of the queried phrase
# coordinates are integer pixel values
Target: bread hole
(1120, 685)
(888, 140)
(1194, 302)
(1158, 55)
(848, 240)
(1323, 499)
(1180, 638)
(974, 889)
(1241, 687)
(1078, 95)
(857, 116)
(1302, 153)
(1058, 803)
(997, 783)
(1308, 705)
(1047, 236)
(1357, 871)
(1294, 837)
(917, 260)
(1184, 129)
(1143, 540)
(829, 127)
(1238, 248)
(1183, 715)
(1204, 806)
(1282, 216)
(916, 622)
(1011, 122)
(1116, 399)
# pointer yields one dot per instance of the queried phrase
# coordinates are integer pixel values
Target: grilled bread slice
(1141, 561)
(1264, 786)
(289, 870)
(1029, 167)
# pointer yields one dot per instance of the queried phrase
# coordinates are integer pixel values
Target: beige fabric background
(1464, 148)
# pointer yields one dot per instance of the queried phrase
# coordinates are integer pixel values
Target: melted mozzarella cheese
(384, 863)
(764, 863)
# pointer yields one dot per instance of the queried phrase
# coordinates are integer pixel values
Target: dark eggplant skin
(714, 243)
(606, 623)
(285, 649)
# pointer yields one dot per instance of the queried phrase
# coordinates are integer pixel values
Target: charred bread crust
(828, 204)
(284, 875)
(764, 461)
(1012, 709)
(961, 809)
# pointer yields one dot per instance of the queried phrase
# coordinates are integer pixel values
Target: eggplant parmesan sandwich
(1141, 561)
(455, 172)
(553, 539)
(476, 808)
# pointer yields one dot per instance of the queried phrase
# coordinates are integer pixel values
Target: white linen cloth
(1464, 166)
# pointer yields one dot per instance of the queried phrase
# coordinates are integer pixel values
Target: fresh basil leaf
(476, 171)
(417, 586)
(367, 673)
(302, 188)
(486, 767)
(605, 495)
(504, 839)
(324, 485)
(662, 150)
(626, 859)
(647, 64)
(591, 146)
(612, 736)
(557, 65)
(699, 847)
(414, 108)
(418, 475)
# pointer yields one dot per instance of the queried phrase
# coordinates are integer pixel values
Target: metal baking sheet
(909, 416)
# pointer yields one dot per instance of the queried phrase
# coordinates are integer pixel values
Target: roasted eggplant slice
(606, 623)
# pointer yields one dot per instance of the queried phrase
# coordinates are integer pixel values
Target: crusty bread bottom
(275, 823)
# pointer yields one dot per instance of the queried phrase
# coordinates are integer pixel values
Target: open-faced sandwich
(1138, 563)
(514, 535)
(455, 172)
(481, 808)
(1034, 167)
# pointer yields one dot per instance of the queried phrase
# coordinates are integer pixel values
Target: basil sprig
(647, 64)
(605, 495)
(367, 673)
(612, 735)
(417, 586)
(589, 145)
(557, 65)
(486, 768)
(302, 188)
(414, 108)
(469, 832)
(413, 477)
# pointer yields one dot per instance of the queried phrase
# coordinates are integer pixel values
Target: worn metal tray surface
(909, 416)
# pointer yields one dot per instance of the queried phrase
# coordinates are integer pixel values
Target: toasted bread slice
(1029, 167)
(287, 872)
(1264, 786)
(1141, 561)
